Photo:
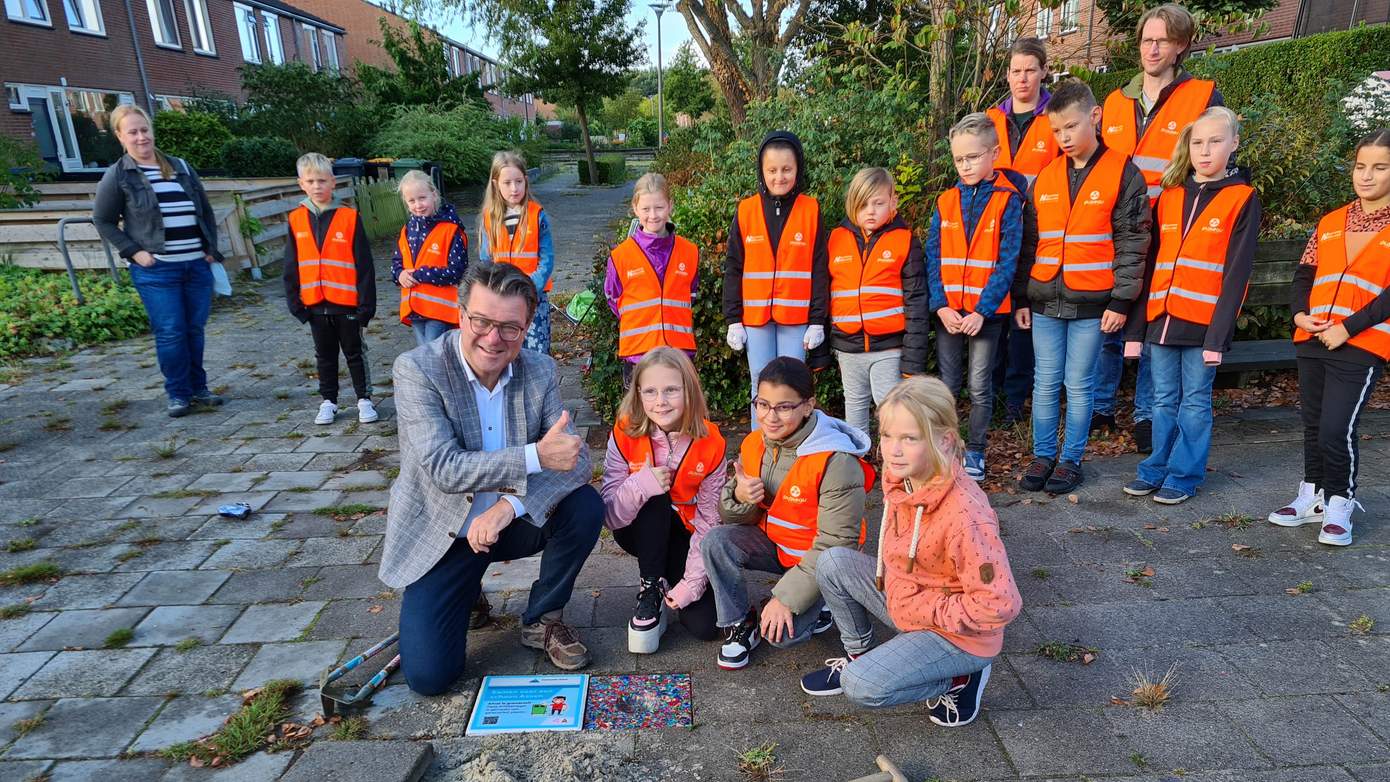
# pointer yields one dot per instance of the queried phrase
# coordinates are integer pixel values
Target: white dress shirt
(492, 415)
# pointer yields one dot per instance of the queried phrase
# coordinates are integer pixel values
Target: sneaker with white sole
(366, 411)
(739, 642)
(824, 621)
(826, 681)
(1336, 522)
(328, 411)
(1306, 508)
(648, 622)
(961, 704)
(975, 465)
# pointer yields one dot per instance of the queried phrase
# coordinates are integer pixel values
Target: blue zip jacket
(973, 200)
(416, 229)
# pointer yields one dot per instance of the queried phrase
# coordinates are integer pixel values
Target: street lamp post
(660, 93)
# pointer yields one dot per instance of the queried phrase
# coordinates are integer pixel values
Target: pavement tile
(123, 770)
(25, 770)
(291, 502)
(1033, 738)
(186, 718)
(227, 482)
(304, 661)
(256, 499)
(11, 713)
(168, 625)
(174, 587)
(1278, 726)
(172, 555)
(200, 670)
(333, 551)
(269, 622)
(259, 767)
(260, 586)
(85, 628)
(1281, 668)
(147, 507)
(250, 554)
(84, 674)
(355, 619)
(13, 632)
(294, 479)
(384, 760)
(86, 728)
(94, 591)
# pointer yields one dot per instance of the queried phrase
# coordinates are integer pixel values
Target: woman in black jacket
(153, 209)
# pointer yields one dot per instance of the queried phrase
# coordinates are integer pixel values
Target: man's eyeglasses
(782, 409)
(509, 332)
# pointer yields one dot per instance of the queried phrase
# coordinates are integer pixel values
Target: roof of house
(275, 6)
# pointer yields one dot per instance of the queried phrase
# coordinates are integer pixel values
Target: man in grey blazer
(490, 471)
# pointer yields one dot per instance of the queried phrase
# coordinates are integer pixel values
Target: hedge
(612, 169)
(257, 156)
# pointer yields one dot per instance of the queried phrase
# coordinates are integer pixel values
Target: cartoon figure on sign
(557, 704)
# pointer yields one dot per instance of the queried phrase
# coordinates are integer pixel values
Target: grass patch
(59, 424)
(7, 446)
(759, 764)
(32, 573)
(351, 512)
(167, 449)
(114, 406)
(350, 729)
(1226, 520)
(25, 727)
(1140, 576)
(1302, 588)
(1249, 552)
(1067, 652)
(187, 645)
(1040, 573)
(179, 494)
(126, 556)
(29, 522)
(1153, 694)
(128, 526)
(305, 583)
(118, 638)
(252, 728)
(1362, 625)
(20, 544)
(14, 610)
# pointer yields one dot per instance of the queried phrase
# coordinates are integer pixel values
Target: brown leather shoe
(558, 640)
(481, 613)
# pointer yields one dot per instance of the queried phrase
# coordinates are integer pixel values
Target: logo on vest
(1094, 199)
(797, 238)
(1047, 198)
(1040, 147)
(434, 248)
(1172, 126)
(634, 273)
(887, 255)
(1213, 225)
(754, 239)
(1329, 235)
(1168, 227)
(680, 267)
(951, 225)
(1113, 129)
(795, 492)
(842, 259)
(700, 468)
(338, 235)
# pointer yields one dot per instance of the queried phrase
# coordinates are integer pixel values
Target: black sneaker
(961, 704)
(1065, 477)
(1102, 422)
(825, 681)
(207, 399)
(823, 622)
(739, 642)
(1035, 477)
(480, 614)
(648, 622)
(1144, 436)
(177, 408)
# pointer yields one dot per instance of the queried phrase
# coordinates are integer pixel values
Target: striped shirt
(183, 241)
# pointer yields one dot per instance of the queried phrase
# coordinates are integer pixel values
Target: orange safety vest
(866, 291)
(1343, 287)
(777, 287)
(1077, 240)
(698, 462)
(1189, 267)
(525, 255)
(1036, 149)
(653, 311)
(436, 302)
(327, 273)
(1151, 154)
(790, 521)
(967, 263)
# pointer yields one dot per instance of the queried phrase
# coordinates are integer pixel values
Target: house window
(32, 11)
(84, 16)
(89, 112)
(1044, 22)
(249, 31)
(1071, 14)
(315, 58)
(330, 51)
(199, 27)
(274, 47)
(164, 24)
(16, 101)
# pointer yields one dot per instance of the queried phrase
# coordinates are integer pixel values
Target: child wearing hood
(941, 579)
(430, 259)
(797, 489)
(776, 278)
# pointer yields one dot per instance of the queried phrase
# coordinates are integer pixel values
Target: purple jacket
(658, 252)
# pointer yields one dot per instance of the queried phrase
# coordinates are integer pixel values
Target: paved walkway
(96, 480)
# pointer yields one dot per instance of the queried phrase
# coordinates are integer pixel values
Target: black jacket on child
(366, 273)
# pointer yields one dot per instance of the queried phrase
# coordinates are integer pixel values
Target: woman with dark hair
(153, 209)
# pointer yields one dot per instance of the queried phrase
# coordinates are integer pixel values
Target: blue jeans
(768, 342)
(177, 298)
(1181, 419)
(1064, 353)
(728, 551)
(1013, 365)
(434, 609)
(1110, 367)
(428, 330)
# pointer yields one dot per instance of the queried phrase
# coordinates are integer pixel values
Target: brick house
(66, 63)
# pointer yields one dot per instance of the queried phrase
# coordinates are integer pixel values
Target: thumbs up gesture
(662, 475)
(559, 450)
(747, 488)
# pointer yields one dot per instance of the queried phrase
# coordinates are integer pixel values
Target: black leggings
(332, 333)
(1333, 394)
(661, 544)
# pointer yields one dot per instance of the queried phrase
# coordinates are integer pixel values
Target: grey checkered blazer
(442, 460)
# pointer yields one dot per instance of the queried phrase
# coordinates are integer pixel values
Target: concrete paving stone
(20, 510)
(512, 574)
(306, 479)
(331, 444)
(281, 462)
(86, 488)
(494, 651)
(1032, 739)
(100, 508)
(256, 499)
(1370, 707)
(374, 524)
(85, 628)
(11, 713)
(354, 619)
(200, 670)
(250, 555)
(93, 591)
(269, 622)
(398, 713)
(86, 728)
(1320, 773)
(174, 587)
(308, 525)
(84, 674)
(337, 582)
(1281, 668)
(121, 770)
(15, 631)
(178, 528)
(1353, 604)
(386, 760)
(1140, 625)
(1072, 684)
(1185, 736)
(259, 767)
(186, 718)
(333, 551)
(304, 662)
(1279, 728)
(804, 751)
(146, 485)
(177, 555)
(1370, 653)
(358, 480)
(1376, 773)
(260, 586)
(1277, 618)
(923, 750)
(332, 461)
(147, 507)
(255, 526)
(267, 445)
(208, 445)
(290, 502)
(227, 482)
(16, 667)
(168, 625)
(25, 770)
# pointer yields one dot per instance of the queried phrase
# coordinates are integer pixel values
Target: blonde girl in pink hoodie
(941, 578)
(662, 476)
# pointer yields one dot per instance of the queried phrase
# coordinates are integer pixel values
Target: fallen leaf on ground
(1073, 499)
(374, 610)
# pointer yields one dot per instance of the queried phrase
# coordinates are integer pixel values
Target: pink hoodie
(625, 493)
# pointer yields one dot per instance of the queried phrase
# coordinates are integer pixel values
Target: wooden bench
(1270, 281)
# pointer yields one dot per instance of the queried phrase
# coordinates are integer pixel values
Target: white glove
(736, 336)
(813, 337)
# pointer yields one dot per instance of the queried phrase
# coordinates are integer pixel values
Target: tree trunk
(938, 73)
(588, 142)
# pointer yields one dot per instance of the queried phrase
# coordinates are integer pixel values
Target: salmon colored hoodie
(943, 564)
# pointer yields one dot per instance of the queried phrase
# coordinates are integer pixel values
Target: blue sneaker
(824, 621)
(1139, 488)
(961, 704)
(975, 465)
(1167, 496)
(825, 681)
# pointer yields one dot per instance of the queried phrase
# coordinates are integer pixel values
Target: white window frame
(14, 96)
(274, 43)
(248, 29)
(18, 11)
(199, 26)
(1044, 22)
(329, 44)
(1071, 16)
(162, 35)
(315, 59)
(90, 10)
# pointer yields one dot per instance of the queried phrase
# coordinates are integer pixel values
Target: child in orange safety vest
(513, 228)
(1205, 226)
(331, 285)
(1341, 305)
(650, 281)
(430, 259)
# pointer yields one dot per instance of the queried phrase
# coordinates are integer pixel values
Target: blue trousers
(766, 343)
(428, 330)
(1110, 368)
(1064, 353)
(177, 298)
(1181, 418)
(1013, 365)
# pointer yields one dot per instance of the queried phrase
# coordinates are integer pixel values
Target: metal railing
(67, 258)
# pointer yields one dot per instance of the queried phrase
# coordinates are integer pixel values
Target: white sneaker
(1336, 523)
(1306, 508)
(366, 411)
(327, 412)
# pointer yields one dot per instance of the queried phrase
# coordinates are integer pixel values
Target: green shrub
(318, 111)
(20, 167)
(461, 140)
(195, 136)
(612, 169)
(259, 156)
(38, 313)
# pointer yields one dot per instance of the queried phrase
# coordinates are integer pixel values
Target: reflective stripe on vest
(966, 264)
(1076, 238)
(790, 520)
(436, 302)
(700, 460)
(1152, 152)
(1343, 287)
(777, 283)
(866, 290)
(327, 273)
(655, 311)
(521, 249)
(1036, 149)
(1189, 267)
